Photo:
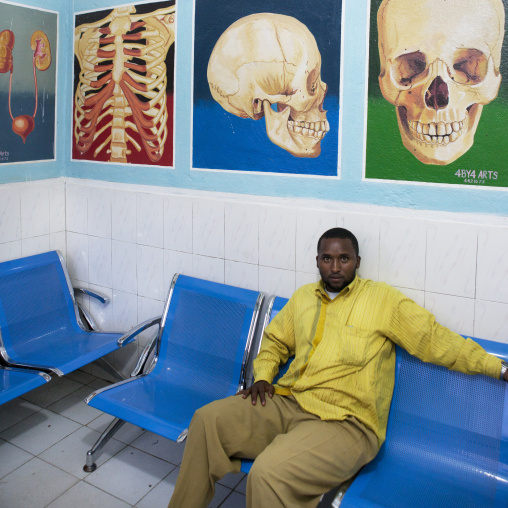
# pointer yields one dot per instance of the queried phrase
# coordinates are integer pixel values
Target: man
(326, 417)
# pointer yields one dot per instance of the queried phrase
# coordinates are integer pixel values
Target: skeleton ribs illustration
(122, 83)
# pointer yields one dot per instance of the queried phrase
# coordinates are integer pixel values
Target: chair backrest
(35, 300)
(206, 334)
(446, 426)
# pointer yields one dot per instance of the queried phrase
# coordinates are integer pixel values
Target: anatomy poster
(124, 83)
(267, 86)
(437, 92)
(28, 49)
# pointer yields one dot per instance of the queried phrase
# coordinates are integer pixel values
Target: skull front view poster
(123, 84)
(437, 92)
(267, 86)
(28, 49)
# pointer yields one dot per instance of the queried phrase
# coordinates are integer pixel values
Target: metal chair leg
(113, 427)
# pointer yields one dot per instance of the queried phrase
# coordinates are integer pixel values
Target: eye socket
(313, 81)
(407, 68)
(470, 66)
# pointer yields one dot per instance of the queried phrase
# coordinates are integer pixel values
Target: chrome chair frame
(144, 367)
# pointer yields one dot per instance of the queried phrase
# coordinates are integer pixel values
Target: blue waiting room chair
(446, 443)
(199, 355)
(41, 326)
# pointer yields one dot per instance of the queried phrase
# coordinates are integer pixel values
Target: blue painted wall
(349, 188)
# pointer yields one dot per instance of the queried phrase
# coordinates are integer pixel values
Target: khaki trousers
(298, 455)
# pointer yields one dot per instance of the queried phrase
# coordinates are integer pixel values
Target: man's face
(337, 263)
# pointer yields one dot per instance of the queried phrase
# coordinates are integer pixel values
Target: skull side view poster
(437, 92)
(267, 86)
(28, 44)
(123, 84)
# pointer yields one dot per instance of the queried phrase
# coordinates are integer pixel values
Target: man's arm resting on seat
(277, 345)
(416, 330)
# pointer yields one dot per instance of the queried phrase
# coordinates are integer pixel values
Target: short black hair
(342, 234)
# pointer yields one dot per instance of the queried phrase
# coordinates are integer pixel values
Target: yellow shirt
(345, 354)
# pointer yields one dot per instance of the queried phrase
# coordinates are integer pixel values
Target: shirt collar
(320, 288)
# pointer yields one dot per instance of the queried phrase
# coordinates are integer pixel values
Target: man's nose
(335, 265)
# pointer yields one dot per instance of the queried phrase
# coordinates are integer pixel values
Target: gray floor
(45, 435)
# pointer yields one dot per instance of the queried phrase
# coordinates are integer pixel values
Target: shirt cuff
(264, 375)
(493, 366)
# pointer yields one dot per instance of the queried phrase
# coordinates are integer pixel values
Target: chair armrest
(85, 291)
(90, 321)
(6, 361)
(143, 358)
(131, 334)
(45, 375)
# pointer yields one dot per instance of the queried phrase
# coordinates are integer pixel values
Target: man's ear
(358, 259)
(317, 261)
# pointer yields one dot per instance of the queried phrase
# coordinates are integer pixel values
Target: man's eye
(344, 258)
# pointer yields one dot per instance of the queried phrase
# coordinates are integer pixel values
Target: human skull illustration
(439, 66)
(266, 59)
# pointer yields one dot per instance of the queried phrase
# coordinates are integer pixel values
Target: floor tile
(80, 376)
(130, 474)
(83, 495)
(15, 411)
(73, 406)
(12, 458)
(127, 434)
(39, 431)
(242, 486)
(35, 485)
(49, 393)
(234, 500)
(221, 493)
(160, 495)
(160, 447)
(98, 383)
(231, 480)
(69, 454)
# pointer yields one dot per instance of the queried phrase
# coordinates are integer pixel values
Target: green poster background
(484, 164)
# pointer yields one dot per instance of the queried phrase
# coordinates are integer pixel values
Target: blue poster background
(222, 140)
(40, 143)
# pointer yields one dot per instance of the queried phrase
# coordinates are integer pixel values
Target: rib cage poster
(437, 92)
(265, 59)
(28, 62)
(123, 98)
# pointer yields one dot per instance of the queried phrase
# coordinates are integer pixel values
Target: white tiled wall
(32, 218)
(128, 242)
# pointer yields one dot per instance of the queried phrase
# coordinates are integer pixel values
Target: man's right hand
(261, 388)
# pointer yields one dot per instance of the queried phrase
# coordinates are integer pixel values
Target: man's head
(337, 258)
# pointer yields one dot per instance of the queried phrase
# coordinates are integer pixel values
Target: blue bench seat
(200, 355)
(41, 326)
(446, 443)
